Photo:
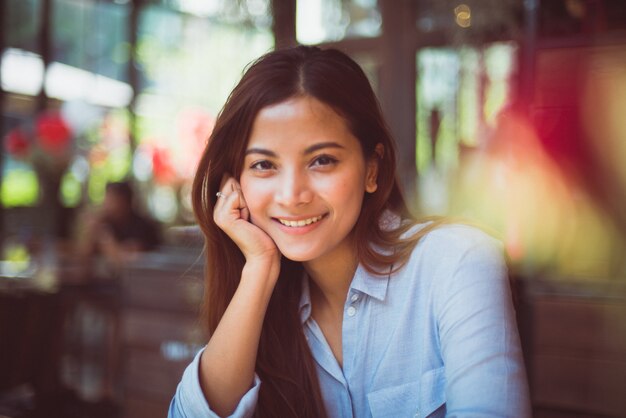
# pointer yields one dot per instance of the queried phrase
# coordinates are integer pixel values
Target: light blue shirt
(436, 338)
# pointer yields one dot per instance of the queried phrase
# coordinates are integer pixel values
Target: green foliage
(71, 190)
(20, 187)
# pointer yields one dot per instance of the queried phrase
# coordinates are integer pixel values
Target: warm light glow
(513, 186)
(463, 15)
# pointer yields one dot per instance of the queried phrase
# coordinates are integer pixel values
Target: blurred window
(23, 20)
(188, 63)
(459, 94)
(93, 36)
(189, 55)
(320, 21)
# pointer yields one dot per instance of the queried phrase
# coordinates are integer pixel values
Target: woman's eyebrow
(262, 151)
(308, 150)
(322, 145)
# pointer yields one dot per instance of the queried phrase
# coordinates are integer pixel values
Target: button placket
(354, 298)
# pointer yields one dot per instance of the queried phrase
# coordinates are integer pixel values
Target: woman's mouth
(300, 222)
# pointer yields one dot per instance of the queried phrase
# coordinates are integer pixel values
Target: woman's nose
(294, 189)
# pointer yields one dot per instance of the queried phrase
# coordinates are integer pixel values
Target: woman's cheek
(255, 199)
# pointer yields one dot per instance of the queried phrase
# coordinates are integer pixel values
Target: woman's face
(304, 178)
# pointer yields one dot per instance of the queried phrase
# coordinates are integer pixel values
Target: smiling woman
(324, 296)
(303, 175)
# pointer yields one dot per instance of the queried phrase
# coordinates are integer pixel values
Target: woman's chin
(294, 255)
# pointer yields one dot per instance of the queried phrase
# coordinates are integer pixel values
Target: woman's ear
(372, 168)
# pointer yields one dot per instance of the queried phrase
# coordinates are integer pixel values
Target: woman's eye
(263, 165)
(324, 160)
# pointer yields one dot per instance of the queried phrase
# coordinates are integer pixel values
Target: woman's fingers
(243, 205)
(224, 190)
(231, 205)
(232, 215)
(227, 209)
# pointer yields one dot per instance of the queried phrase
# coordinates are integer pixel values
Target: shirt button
(351, 311)
(354, 297)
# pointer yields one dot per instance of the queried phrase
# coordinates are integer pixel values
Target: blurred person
(116, 231)
(110, 236)
(325, 296)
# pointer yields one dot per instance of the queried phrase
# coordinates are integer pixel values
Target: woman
(324, 297)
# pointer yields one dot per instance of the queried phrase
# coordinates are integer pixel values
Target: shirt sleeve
(189, 401)
(480, 343)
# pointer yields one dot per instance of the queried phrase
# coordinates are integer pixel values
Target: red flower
(16, 143)
(162, 168)
(53, 133)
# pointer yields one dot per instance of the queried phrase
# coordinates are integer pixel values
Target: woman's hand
(231, 214)
(228, 361)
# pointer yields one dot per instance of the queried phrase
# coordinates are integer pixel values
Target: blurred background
(509, 113)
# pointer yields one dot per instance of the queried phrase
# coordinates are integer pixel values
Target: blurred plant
(66, 155)
(15, 258)
(17, 253)
(46, 142)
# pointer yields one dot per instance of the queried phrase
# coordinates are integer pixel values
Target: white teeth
(300, 223)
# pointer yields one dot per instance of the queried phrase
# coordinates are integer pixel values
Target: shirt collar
(363, 281)
(371, 284)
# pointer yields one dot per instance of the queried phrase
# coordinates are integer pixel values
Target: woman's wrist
(266, 268)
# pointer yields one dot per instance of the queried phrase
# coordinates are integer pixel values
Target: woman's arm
(228, 361)
(479, 339)
(226, 367)
(221, 379)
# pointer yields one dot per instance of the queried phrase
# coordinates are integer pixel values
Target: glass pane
(251, 13)
(23, 21)
(191, 60)
(92, 36)
(437, 88)
(332, 20)
(460, 91)
(90, 53)
(188, 66)
(21, 65)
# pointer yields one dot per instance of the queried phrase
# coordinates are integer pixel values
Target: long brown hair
(284, 362)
